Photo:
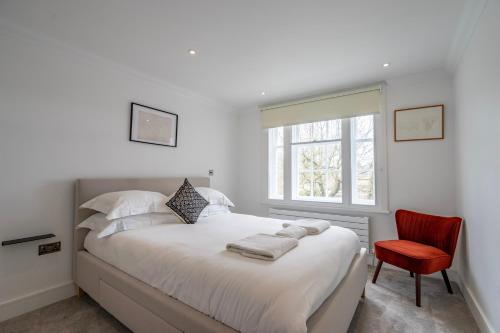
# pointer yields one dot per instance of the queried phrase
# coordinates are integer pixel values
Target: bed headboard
(86, 189)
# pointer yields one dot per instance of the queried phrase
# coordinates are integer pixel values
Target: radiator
(359, 225)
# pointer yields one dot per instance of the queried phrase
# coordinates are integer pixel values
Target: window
(363, 160)
(276, 163)
(327, 162)
(317, 161)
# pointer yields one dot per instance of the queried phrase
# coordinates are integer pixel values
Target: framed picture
(154, 126)
(420, 123)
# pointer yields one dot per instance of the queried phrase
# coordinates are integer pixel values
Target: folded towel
(263, 246)
(313, 227)
(292, 231)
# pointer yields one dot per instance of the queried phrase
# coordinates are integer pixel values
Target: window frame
(380, 169)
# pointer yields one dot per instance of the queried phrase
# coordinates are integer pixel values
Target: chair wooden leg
(411, 274)
(377, 270)
(417, 288)
(446, 281)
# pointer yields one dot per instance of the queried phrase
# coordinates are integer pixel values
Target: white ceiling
(286, 48)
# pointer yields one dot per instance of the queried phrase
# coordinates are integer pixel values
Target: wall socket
(49, 248)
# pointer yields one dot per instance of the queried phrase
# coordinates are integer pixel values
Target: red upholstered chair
(426, 245)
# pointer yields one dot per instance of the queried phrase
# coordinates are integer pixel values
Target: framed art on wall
(419, 123)
(153, 126)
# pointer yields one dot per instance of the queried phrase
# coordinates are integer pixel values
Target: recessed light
(192, 52)
(263, 93)
(386, 64)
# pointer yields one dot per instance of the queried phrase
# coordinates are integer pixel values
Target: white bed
(190, 263)
(180, 278)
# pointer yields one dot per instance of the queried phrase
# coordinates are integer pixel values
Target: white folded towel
(292, 231)
(263, 246)
(313, 226)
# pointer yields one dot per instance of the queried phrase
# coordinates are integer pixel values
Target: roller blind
(345, 104)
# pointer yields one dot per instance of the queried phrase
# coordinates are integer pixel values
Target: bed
(137, 291)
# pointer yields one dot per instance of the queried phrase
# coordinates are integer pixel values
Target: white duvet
(191, 264)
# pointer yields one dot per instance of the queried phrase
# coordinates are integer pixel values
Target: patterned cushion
(187, 203)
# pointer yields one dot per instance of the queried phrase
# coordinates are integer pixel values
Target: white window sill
(325, 207)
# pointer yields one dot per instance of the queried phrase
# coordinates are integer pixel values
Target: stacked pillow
(218, 203)
(104, 227)
(127, 203)
(129, 210)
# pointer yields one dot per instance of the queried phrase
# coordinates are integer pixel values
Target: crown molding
(471, 13)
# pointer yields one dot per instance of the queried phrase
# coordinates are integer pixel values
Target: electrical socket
(49, 248)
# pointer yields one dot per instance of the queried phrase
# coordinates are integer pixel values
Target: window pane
(277, 136)
(317, 167)
(275, 163)
(305, 182)
(317, 172)
(318, 153)
(319, 184)
(363, 127)
(319, 131)
(363, 161)
(305, 159)
(334, 185)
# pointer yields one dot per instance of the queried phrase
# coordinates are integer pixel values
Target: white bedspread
(191, 264)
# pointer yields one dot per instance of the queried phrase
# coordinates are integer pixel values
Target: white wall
(477, 84)
(421, 174)
(65, 115)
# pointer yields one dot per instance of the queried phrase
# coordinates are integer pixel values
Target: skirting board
(476, 309)
(35, 300)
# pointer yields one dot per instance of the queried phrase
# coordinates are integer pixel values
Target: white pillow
(127, 203)
(104, 227)
(214, 197)
(214, 210)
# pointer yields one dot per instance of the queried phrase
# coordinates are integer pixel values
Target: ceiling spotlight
(263, 93)
(192, 52)
(386, 64)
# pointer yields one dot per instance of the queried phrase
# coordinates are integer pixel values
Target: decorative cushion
(412, 256)
(187, 203)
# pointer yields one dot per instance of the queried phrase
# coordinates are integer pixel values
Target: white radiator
(359, 225)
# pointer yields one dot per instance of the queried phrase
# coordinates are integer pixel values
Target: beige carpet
(389, 306)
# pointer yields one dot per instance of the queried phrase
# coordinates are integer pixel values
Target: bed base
(143, 308)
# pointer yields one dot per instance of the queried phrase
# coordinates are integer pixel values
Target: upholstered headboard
(86, 189)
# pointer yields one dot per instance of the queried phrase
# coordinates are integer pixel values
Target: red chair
(426, 245)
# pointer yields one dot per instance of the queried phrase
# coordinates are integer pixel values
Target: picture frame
(419, 123)
(153, 126)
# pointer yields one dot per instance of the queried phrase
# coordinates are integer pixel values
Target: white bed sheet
(191, 264)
